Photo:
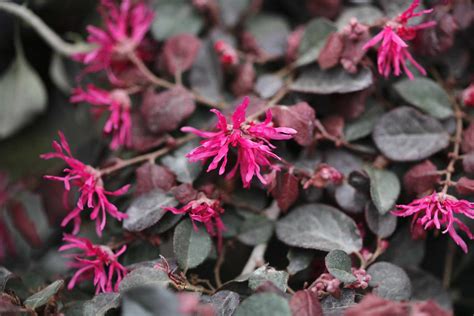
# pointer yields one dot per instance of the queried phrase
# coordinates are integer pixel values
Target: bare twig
(217, 267)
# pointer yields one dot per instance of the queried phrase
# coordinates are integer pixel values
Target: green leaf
(314, 38)
(270, 31)
(335, 80)
(185, 171)
(100, 304)
(384, 188)
(265, 273)
(42, 297)
(426, 95)
(381, 225)
(144, 276)
(169, 17)
(150, 300)
(23, 95)
(256, 229)
(231, 11)
(224, 302)
(320, 227)
(339, 265)
(147, 209)
(299, 259)
(264, 304)
(190, 247)
(5, 276)
(364, 124)
(389, 281)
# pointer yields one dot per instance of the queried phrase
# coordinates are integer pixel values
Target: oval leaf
(314, 39)
(42, 297)
(185, 171)
(191, 247)
(339, 265)
(263, 304)
(384, 188)
(144, 276)
(264, 274)
(389, 281)
(381, 225)
(305, 303)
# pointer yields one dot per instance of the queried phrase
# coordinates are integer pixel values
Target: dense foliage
(236, 157)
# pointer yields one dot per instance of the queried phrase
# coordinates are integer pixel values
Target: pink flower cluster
(251, 140)
(393, 50)
(125, 28)
(92, 193)
(363, 279)
(227, 54)
(118, 104)
(206, 211)
(97, 262)
(438, 211)
(326, 284)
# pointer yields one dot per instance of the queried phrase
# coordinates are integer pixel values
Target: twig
(217, 267)
(29, 17)
(168, 85)
(448, 264)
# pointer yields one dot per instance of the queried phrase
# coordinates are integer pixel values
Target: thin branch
(56, 42)
(217, 267)
(448, 264)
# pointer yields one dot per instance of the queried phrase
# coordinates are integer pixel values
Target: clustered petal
(90, 185)
(125, 28)
(97, 262)
(118, 104)
(251, 140)
(393, 51)
(438, 211)
(206, 211)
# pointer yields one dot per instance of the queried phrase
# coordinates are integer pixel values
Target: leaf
(381, 225)
(144, 276)
(421, 178)
(350, 199)
(270, 31)
(185, 171)
(426, 95)
(225, 302)
(465, 186)
(232, 10)
(333, 306)
(403, 250)
(268, 85)
(286, 190)
(263, 304)
(335, 80)
(365, 14)
(299, 259)
(5, 276)
(314, 38)
(301, 117)
(404, 134)
(164, 111)
(389, 281)
(339, 265)
(150, 301)
(427, 287)
(256, 229)
(320, 227)
(264, 274)
(364, 124)
(191, 247)
(42, 297)
(151, 176)
(169, 18)
(384, 188)
(180, 52)
(147, 209)
(23, 95)
(101, 304)
(305, 303)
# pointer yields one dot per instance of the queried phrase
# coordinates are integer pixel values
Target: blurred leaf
(427, 287)
(321, 227)
(144, 276)
(364, 124)
(404, 251)
(333, 306)
(169, 17)
(426, 95)
(264, 274)
(42, 297)
(335, 80)
(381, 225)
(231, 11)
(389, 281)
(299, 259)
(263, 304)
(180, 52)
(404, 134)
(256, 229)
(300, 117)
(224, 302)
(365, 14)
(305, 303)
(270, 31)
(23, 95)
(100, 304)
(148, 301)
(268, 85)
(185, 171)
(147, 209)
(384, 188)
(151, 176)
(5, 276)
(191, 247)
(339, 265)
(350, 199)
(314, 38)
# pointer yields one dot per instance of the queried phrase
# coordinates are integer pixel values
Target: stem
(58, 44)
(454, 155)
(169, 85)
(217, 268)
(448, 264)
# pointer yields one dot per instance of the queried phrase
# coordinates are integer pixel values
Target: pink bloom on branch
(118, 104)
(206, 211)
(92, 193)
(125, 28)
(393, 51)
(251, 140)
(439, 211)
(97, 262)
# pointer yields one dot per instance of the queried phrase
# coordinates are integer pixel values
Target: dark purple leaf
(180, 52)
(151, 176)
(305, 303)
(421, 178)
(301, 117)
(286, 191)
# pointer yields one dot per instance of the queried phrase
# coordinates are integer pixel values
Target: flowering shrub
(237, 157)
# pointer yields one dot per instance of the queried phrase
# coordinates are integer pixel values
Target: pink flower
(393, 50)
(117, 102)
(326, 284)
(323, 175)
(96, 261)
(125, 28)
(363, 279)
(91, 188)
(438, 210)
(206, 211)
(251, 140)
(227, 54)
(468, 96)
